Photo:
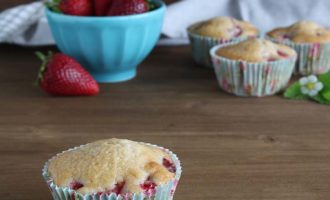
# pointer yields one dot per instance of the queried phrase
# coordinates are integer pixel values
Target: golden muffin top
(302, 32)
(224, 28)
(256, 50)
(113, 165)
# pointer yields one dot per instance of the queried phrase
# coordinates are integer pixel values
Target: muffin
(254, 67)
(312, 43)
(111, 169)
(220, 30)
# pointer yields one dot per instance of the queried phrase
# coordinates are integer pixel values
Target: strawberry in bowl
(110, 38)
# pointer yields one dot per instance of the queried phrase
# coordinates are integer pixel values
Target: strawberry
(75, 185)
(128, 7)
(149, 187)
(102, 6)
(77, 7)
(61, 75)
(169, 165)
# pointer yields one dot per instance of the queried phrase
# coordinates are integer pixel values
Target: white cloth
(265, 14)
(27, 25)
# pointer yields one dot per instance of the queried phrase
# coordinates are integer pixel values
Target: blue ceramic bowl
(110, 48)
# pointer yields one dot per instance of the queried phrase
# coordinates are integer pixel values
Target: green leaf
(325, 79)
(326, 94)
(53, 5)
(151, 5)
(293, 92)
(319, 98)
(44, 59)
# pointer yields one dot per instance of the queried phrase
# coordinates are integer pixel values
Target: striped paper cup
(252, 79)
(201, 46)
(162, 192)
(313, 58)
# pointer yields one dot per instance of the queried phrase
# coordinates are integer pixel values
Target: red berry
(118, 188)
(77, 7)
(61, 75)
(102, 7)
(282, 54)
(286, 36)
(148, 187)
(75, 185)
(169, 165)
(128, 7)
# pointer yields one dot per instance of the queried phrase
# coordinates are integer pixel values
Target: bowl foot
(114, 77)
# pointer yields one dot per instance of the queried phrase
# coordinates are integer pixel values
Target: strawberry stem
(44, 60)
(53, 5)
(151, 5)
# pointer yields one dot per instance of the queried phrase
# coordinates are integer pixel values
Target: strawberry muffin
(220, 30)
(312, 43)
(113, 168)
(254, 67)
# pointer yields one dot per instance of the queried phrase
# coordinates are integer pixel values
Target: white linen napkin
(265, 14)
(27, 25)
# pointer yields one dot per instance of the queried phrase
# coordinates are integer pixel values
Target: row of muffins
(307, 38)
(247, 66)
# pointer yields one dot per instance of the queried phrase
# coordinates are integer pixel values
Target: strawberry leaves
(53, 5)
(151, 5)
(44, 60)
(310, 88)
(293, 92)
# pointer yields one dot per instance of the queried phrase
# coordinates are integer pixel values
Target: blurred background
(264, 14)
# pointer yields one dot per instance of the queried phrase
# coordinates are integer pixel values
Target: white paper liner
(313, 58)
(252, 79)
(163, 192)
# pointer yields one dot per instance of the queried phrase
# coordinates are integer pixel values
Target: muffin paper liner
(163, 192)
(252, 79)
(313, 58)
(201, 46)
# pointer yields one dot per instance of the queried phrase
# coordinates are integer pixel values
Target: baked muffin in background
(219, 30)
(254, 67)
(312, 43)
(113, 168)
(302, 32)
(225, 28)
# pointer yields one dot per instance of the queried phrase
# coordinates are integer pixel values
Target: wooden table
(231, 148)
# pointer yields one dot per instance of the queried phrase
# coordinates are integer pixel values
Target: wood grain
(231, 148)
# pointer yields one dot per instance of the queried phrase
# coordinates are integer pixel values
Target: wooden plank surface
(231, 148)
